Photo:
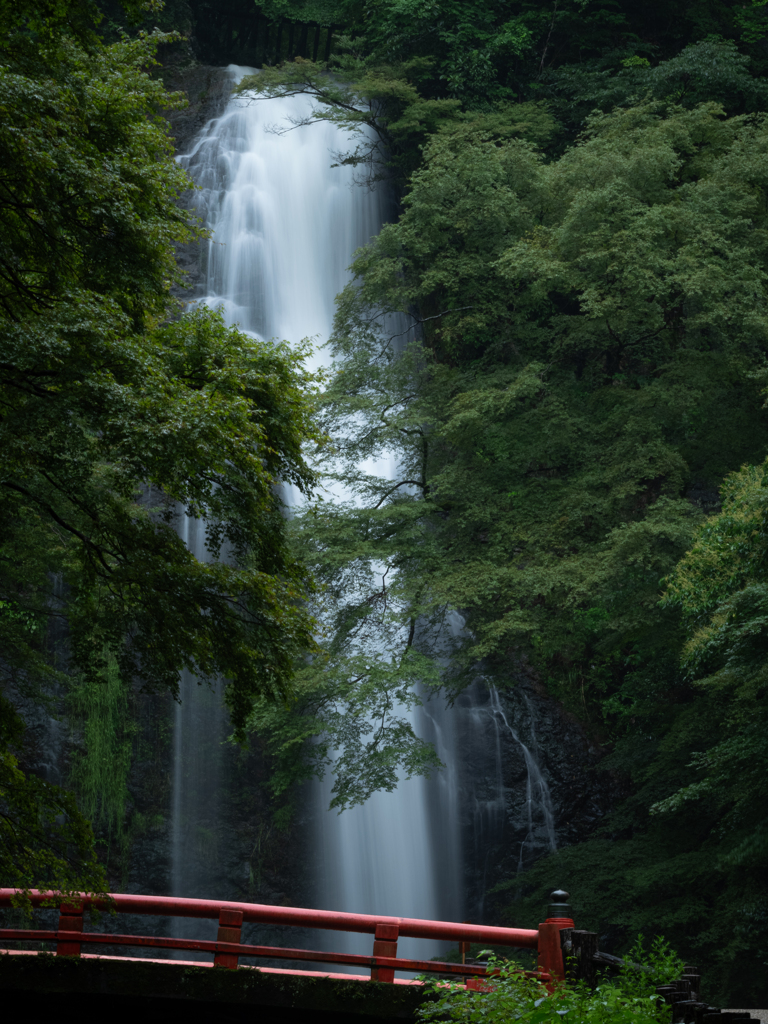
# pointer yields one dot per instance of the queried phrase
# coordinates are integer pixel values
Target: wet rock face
(530, 784)
(207, 90)
(233, 848)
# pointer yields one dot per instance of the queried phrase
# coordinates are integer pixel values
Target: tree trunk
(301, 50)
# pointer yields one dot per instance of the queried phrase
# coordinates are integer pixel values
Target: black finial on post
(559, 906)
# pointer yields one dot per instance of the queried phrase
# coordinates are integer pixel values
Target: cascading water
(507, 797)
(399, 854)
(538, 802)
(284, 225)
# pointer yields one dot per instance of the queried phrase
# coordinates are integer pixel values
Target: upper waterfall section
(284, 221)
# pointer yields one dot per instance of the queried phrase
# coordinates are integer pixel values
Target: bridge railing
(227, 949)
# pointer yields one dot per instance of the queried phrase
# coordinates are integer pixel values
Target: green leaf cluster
(121, 411)
(720, 585)
(584, 358)
(45, 841)
(511, 994)
(486, 52)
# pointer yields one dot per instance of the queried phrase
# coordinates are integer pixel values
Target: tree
(490, 52)
(118, 413)
(577, 319)
(558, 358)
(720, 585)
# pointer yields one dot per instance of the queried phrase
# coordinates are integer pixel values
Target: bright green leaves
(110, 422)
(377, 104)
(350, 715)
(594, 295)
(752, 20)
(209, 419)
(88, 208)
(728, 555)
(99, 710)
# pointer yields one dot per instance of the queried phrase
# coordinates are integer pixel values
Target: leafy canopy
(119, 411)
(555, 355)
(721, 587)
(577, 318)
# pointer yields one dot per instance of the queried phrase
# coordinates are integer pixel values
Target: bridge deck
(90, 986)
(75, 985)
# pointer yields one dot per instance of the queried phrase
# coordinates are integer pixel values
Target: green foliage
(576, 322)
(557, 354)
(119, 411)
(512, 995)
(722, 588)
(644, 969)
(658, 876)
(324, 12)
(101, 401)
(710, 70)
(45, 841)
(101, 710)
(347, 714)
(378, 105)
(483, 53)
(752, 21)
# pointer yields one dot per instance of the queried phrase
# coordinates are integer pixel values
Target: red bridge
(72, 970)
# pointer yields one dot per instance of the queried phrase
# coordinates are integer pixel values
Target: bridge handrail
(177, 906)
(547, 939)
(242, 949)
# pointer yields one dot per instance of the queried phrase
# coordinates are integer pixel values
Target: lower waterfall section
(400, 853)
(508, 809)
(199, 731)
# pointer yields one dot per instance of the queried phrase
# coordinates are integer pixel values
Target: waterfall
(199, 730)
(399, 853)
(538, 801)
(507, 796)
(284, 225)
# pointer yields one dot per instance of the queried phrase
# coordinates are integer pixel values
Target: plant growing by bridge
(512, 994)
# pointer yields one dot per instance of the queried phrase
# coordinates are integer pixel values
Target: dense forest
(573, 391)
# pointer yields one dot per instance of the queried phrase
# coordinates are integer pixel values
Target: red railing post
(464, 947)
(550, 945)
(384, 944)
(70, 920)
(230, 925)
